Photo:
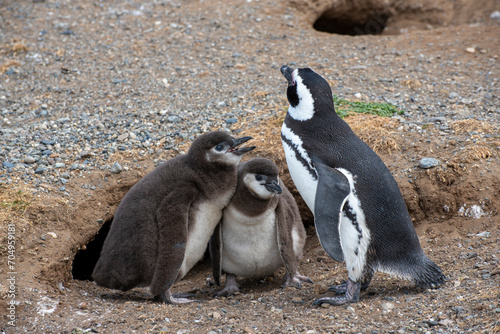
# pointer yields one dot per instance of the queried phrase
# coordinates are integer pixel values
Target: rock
(445, 322)
(40, 170)
(495, 15)
(86, 154)
(7, 164)
(441, 120)
(426, 163)
(297, 300)
(216, 315)
(29, 160)
(387, 307)
(123, 136)
(47, 142)
(52, 234)
(470, 50)
(231, 120)
(320, 288)
(116, 168)
(59, 165)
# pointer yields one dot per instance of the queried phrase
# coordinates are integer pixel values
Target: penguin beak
(287, 72)
(273, 187)
(240, 151)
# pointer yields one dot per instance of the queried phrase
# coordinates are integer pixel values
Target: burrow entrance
(86, 258)
(374, 17)
(345, 25)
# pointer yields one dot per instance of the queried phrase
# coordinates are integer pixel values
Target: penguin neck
(321, 120)
(212, 173)
(249, 204)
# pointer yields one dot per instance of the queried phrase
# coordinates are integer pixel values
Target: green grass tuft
(345, 108)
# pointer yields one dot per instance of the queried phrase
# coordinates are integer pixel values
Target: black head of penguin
(218, 148)
(307, 90)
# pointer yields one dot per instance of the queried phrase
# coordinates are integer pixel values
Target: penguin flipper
(172, 222)
(215, 249)
(331, 194)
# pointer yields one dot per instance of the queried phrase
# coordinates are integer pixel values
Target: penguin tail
(429, 275)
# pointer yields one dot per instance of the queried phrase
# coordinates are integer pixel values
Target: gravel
(145, 77)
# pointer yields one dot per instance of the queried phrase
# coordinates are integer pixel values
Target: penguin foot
(351, 295)
(177, 298)
(342, 288)
(230, 288)
(295, 280)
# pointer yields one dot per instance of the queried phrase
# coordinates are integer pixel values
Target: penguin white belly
(296, 158)
(250, 244)
(205, 218)
(354, 234)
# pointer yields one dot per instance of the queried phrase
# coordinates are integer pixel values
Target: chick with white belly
(260, 231)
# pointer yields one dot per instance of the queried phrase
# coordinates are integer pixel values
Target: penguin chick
(359, 212)
(261, 229)
(163, 224)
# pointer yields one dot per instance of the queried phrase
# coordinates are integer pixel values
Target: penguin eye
(219, 148)
(258, 177)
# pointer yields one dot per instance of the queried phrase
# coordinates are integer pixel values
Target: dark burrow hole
(343, 25)
(86, 258)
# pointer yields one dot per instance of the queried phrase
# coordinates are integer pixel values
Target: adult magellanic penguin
(359, 213)
(260, 231)
(163, 224)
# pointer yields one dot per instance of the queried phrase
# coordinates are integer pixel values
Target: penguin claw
(333, 301)
(228, 291)
(339, 289)
(351, 290)
(177, 298)
(296, 281)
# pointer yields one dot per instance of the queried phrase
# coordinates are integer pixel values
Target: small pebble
(29, 160)
(40, 170)
(7, 164)
(387, 307)
(123, 136)
(428, 163)
(52, 234)
(116, 168)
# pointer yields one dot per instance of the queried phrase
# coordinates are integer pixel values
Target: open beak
(273, 187)
(240, 151)
(287, 73)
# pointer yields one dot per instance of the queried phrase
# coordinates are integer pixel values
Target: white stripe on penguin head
(305, 109)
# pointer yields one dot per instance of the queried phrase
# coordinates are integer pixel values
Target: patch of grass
(346, 108)
(14, 200)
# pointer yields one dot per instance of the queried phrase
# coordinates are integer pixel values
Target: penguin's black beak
(240, 151)
(287, 73)
(274, 187)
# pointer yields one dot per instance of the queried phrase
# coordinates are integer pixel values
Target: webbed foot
(351, 290)
(230, 288)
